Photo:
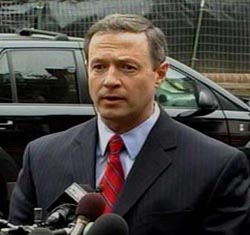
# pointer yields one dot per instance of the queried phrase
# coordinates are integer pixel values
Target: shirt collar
(133, 139)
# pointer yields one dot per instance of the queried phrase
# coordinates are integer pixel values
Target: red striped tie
(113, 177)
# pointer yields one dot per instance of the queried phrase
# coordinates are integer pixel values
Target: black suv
(43, 89)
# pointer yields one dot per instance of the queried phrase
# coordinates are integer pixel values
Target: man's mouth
(112, 98)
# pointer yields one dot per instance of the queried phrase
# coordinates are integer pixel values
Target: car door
(39, 95)
(178, 94)
(238, 119)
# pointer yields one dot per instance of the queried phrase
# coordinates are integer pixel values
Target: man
(177, 181)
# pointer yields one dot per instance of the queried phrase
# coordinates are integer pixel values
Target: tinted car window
(177, 90)
(225, 103)
(5, 84)
(45, 76)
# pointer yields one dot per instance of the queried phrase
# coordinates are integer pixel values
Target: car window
(5, 83)
(177, 90)
(45, 76)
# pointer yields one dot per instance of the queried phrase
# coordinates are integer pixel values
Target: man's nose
(111, 77)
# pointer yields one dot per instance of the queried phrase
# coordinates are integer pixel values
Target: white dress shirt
(133, 141)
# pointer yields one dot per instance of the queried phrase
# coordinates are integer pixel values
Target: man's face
(122, 79)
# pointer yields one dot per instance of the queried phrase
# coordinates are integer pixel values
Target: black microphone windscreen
(41, 231)
(108, 224)
(91, 206)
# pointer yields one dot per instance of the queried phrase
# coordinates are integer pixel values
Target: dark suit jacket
(8, 173)
(182, 181)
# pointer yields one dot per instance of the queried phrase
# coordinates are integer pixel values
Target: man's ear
(161, 72)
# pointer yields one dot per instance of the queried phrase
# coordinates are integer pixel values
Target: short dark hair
(134, 24)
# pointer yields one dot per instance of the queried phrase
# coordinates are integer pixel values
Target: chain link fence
(212, 36)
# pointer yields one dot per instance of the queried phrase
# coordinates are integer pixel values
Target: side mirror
(206, 102)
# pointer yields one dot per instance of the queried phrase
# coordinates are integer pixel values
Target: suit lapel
(153, 159)
(83, 154)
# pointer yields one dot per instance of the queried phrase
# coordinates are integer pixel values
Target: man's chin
(110, 116)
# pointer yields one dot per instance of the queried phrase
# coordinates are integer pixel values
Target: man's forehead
(119, 42)
(118, 36)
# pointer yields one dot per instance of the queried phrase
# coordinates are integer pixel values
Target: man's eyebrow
(94, 60)
(130, 60)
(118, 60)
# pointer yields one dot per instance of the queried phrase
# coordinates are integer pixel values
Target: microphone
(62, 210)
(6, 226)
(61, 216)
(67, 231)
(86, 229)
(18, 229)
(41, 231)
(71, 194)
(63, 231)
(89, 208)
(4, 223)
(109, 224)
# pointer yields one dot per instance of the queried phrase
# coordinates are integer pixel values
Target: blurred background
(211, 36)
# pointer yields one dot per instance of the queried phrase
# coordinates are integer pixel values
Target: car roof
(39, 38)
(30, 34)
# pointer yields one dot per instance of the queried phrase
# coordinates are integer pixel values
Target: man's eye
(129, 68)
(98, 67)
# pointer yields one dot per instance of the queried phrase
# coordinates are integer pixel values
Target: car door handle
(8, 123)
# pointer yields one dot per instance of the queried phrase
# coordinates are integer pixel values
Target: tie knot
(115, 144)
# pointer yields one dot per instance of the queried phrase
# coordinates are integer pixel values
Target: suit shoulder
(62, 139)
